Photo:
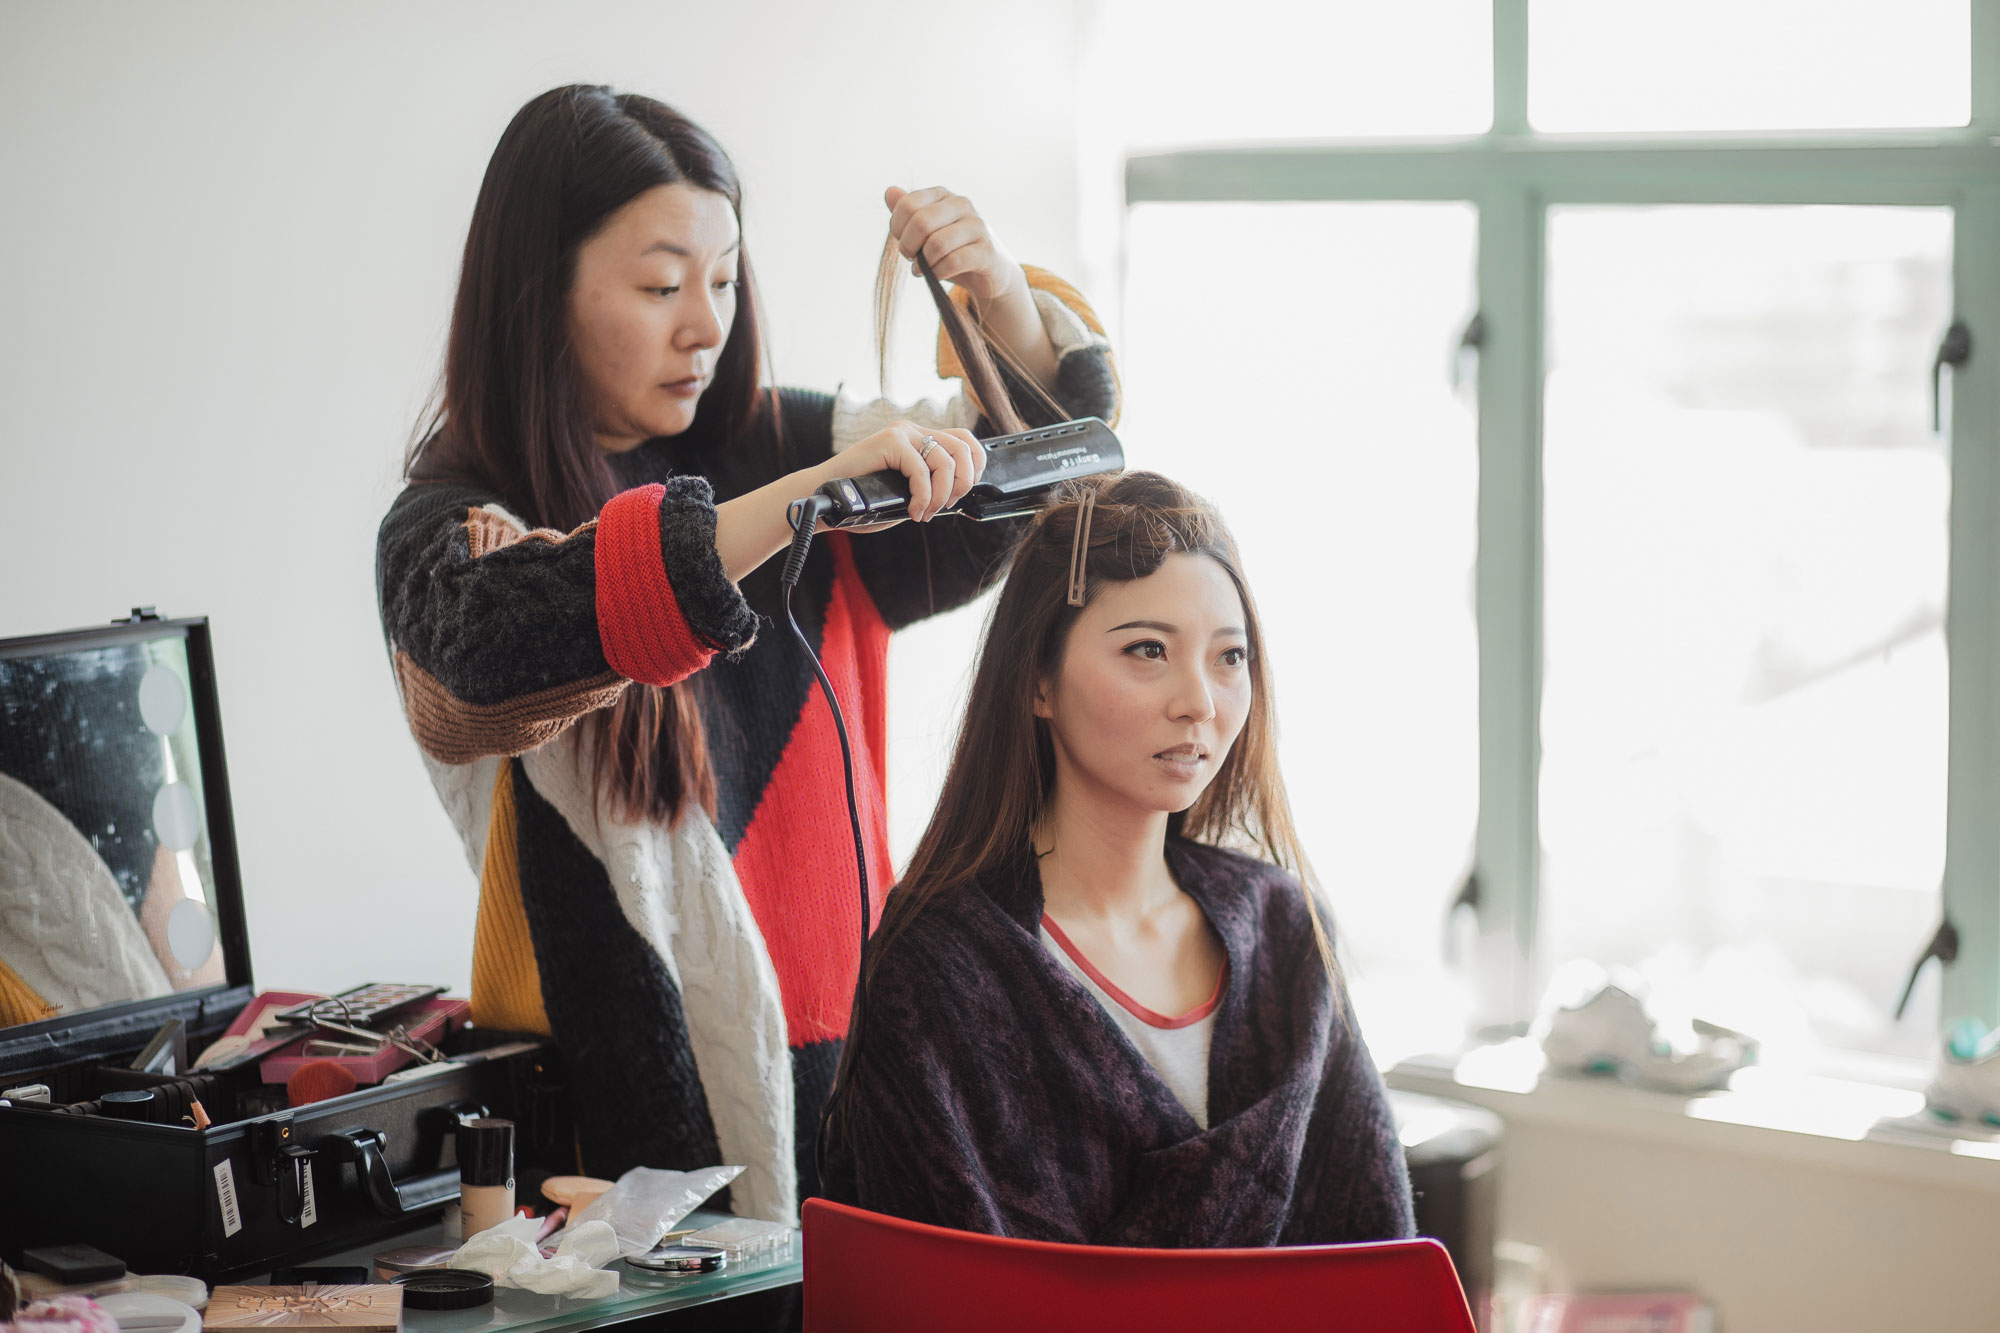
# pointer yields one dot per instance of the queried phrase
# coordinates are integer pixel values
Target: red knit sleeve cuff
(646, 636)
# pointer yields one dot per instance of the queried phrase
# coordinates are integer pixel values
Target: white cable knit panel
(65, 929)
(679, 891)
(855, 420)
(467, 793)
(1067, 331)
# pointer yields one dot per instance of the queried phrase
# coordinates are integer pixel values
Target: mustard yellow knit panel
(18, 1001)
(506, 988)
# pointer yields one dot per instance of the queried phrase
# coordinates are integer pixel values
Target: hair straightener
(1022, 471)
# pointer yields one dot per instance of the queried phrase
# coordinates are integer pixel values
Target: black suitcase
(87, 725)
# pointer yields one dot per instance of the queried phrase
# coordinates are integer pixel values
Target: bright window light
(1744, 716)
(1290, 361)
(1636, 65)
(1171, 72)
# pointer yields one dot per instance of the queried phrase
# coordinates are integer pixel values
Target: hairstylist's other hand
(939, 475)
(950, 233)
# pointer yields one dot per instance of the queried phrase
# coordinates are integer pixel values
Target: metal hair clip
(376, 1041)
(1079, 551)
(404, 1040)
(322, 1047)
(399, 1036)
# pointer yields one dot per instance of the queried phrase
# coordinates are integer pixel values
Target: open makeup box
(121, 911)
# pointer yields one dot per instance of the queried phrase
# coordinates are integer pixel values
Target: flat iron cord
(805, 517)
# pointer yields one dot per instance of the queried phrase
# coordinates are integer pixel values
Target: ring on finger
(930, 443)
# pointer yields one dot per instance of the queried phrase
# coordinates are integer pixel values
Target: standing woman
(577, 590)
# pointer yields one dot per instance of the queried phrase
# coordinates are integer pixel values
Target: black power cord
(1024, 470)
(805, 516)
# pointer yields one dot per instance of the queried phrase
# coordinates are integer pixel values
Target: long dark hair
(1002, 774)
(510, 415)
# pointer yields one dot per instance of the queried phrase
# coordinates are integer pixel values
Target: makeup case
(122, 908)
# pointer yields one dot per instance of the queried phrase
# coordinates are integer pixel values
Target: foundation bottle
(485, 1174)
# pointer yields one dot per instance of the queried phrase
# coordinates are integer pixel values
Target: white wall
(1779, 1246)
(228, 239)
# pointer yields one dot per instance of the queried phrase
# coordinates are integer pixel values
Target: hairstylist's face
(650, 307)
(1153, 689)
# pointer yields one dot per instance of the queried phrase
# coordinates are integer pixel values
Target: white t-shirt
(1176, 1048)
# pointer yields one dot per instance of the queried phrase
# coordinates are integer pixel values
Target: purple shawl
(992, 1092)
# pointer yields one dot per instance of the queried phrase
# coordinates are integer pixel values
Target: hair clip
(1079, 551)
(409, 1042)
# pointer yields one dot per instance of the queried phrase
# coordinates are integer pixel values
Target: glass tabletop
(639, 1294)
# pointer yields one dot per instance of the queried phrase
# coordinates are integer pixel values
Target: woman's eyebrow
(1162, 627)
(684, 253)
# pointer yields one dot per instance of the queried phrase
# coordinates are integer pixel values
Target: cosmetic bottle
(485, 1174)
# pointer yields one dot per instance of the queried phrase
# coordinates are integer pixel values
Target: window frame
(1513, 174)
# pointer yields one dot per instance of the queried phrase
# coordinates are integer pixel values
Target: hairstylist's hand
(941, 464)
(955, 239)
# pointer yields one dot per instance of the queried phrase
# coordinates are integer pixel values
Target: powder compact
(392, 1264)
(684, 1260)
(445, 1289)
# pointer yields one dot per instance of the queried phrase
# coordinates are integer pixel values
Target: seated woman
(1085, 1019)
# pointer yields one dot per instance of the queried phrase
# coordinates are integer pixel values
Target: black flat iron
(1022, 471)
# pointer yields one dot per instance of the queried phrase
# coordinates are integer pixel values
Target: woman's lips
(1183, 761)
(690, 387)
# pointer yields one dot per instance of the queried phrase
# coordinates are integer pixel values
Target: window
(1745, 700)
(1605, 65)
(1284, 361)
(1188, 71)
(1720, 545)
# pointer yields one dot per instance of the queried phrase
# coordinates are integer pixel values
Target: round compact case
(445, 1289)
(392, 1264)
(678, 1260)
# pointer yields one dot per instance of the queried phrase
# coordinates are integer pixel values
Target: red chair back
(864, 1271)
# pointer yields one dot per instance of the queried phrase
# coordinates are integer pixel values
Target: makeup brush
(318, 1081)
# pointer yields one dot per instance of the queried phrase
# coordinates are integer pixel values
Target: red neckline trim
(1149, 1017)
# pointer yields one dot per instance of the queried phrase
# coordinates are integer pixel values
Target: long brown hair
(980, 354)
(510, 415)
(1002, 774)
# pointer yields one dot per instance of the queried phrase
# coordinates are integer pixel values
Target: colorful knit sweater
(697, 978)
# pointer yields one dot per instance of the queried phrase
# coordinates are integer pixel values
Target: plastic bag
(647, 1203)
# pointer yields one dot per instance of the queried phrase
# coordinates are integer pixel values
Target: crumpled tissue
(508, 1254)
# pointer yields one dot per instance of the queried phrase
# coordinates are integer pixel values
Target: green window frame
(1513, 175)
